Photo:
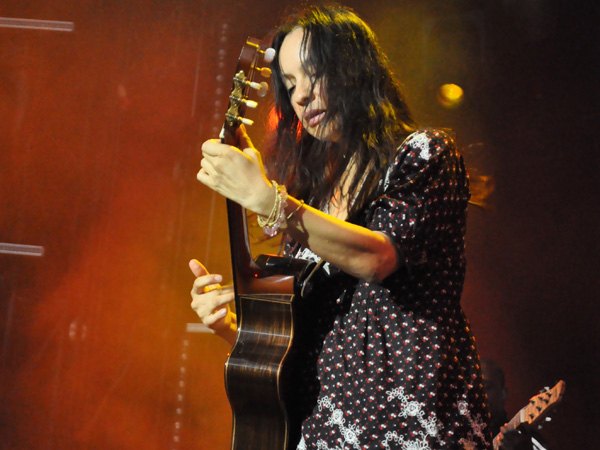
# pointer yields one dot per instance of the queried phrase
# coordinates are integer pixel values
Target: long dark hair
(362, 97)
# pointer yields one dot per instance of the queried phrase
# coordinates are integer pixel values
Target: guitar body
(264, 369)
(259, 379)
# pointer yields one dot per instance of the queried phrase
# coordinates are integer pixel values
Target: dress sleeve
(425, 194)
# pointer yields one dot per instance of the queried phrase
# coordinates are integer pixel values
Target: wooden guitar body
(264, 371)
(259, 380)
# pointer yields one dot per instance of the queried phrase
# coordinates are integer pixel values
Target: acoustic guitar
(263, 370)
(536, 411)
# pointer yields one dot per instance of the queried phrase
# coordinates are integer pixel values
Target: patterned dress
(396, 364)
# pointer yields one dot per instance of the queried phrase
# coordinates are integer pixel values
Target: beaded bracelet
(270, 220)
(276, 217)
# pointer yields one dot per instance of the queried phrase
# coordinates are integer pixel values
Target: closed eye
(291, 90)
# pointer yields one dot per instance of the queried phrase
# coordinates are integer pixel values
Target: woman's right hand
(211, 301)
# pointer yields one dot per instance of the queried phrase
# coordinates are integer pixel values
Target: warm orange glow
(272, 119)
(450, 95)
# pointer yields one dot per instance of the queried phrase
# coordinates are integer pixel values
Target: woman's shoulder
(427, 141)
(417, 153)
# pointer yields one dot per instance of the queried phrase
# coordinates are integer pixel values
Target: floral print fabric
(397, 365)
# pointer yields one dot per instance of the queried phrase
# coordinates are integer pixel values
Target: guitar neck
(520, 417)
(243, 265)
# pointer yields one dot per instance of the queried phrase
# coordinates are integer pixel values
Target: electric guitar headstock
(537, 411)
(540, 406)
(243, 84)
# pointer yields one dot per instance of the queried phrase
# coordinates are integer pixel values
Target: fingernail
(222, 313)
(218, 278)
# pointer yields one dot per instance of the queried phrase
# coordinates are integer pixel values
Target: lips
(314, 117)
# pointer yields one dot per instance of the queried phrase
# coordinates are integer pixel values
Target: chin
(326, 135)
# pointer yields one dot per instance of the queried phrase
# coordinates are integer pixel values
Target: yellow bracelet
(296, 210)
(272, 223)
(271, 219)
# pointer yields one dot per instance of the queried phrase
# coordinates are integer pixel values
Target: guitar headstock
(541, 405)
(243, 83)
(536, 412)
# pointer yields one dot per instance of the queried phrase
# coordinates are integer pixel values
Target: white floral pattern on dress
(418, 139)
(301, 444)
(477, 426)
(349, 433)
(422, 142)
(411, 408)
(408, 408)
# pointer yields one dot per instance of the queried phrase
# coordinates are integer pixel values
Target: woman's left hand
(237, 174)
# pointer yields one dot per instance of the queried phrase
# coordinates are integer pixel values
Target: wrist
(228, 329)
(272, 222)
(265, 199)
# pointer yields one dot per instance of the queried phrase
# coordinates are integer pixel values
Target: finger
(224, 297)
(207, 305)
(243, 138)
(213, 147)
(253, 154)
(211, 319)
(203, 177)
(207, 167)
(206, 163)
(197, 268)
(206, 283)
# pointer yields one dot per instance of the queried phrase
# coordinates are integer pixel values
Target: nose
(304, 92)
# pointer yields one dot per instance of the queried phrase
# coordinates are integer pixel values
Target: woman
(384, 207)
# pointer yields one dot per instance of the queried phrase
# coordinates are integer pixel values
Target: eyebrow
(288, 77)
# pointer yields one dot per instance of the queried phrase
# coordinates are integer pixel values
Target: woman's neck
(340, 203)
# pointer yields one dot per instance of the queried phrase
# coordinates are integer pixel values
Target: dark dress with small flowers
(396, 364)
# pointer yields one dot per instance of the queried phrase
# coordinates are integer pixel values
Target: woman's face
(307, 99)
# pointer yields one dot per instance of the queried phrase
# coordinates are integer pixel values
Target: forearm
(240, 177)
(228, 331)
(356, 250)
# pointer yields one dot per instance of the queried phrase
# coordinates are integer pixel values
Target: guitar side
(255, 374)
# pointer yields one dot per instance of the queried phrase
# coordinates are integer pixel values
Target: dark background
(99, 145)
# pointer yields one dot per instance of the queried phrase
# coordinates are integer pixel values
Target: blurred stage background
(103, 105)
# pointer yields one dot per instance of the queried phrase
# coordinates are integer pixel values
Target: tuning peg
(269, 54)
(234, 100)
(265, 72)
(233, 119)
(245, 121)
(261, 88)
